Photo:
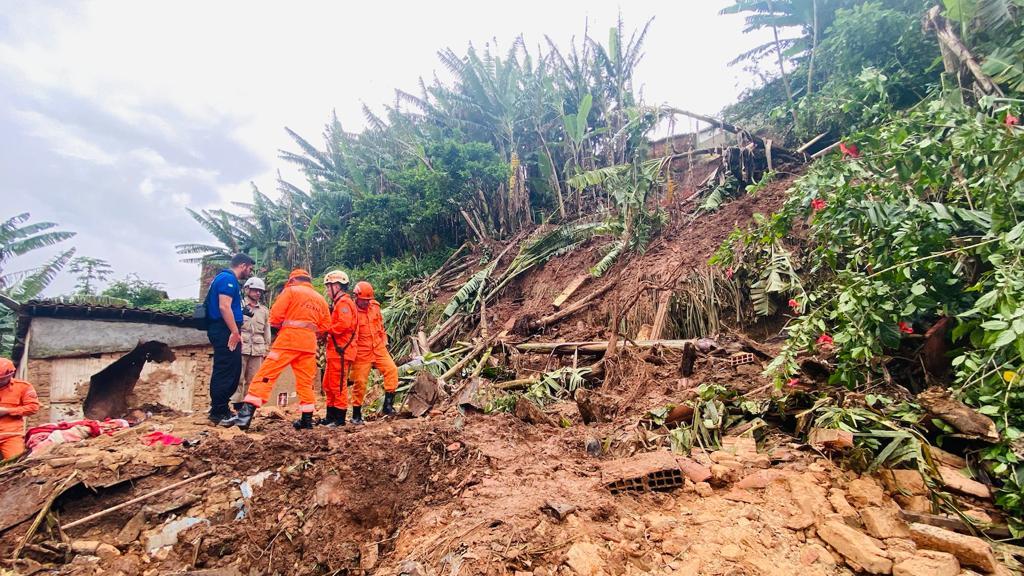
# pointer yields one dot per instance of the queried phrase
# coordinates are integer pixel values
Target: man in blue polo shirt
(224, 312)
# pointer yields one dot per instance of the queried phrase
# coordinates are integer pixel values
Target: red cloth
(158, 437)
(42, 437)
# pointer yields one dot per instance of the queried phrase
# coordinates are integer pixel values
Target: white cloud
(63, 138)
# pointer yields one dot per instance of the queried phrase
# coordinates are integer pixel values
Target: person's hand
(234, 340)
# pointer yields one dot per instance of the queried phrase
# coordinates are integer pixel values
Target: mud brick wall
(41, 370)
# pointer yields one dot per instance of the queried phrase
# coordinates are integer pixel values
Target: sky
(116, 116)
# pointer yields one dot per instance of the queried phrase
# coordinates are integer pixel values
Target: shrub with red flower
(817, 204)
(1011, 120)
(794, 305)
(793, 382)
(728, 273)
(825, 341)
(906, 328)
(850, 150)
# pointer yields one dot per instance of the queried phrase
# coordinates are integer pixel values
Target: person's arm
(224, 304)
(279, 310)
(29, 403)
(266, 324)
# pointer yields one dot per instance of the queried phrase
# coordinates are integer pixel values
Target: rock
(956, 481)
(329, 491)
(412, 568)
(906, 482)
(369, 553)
(584, 559)
(864, 492)
(762, 461)
(694, 471)
(558, 510)
(919, 504)
(810, 498)
(760, 479)
(928, 563)
(737, 495)
(900, 549)
(731, 552)
(704, 489)
(675, 543)
(971, 551)
(691, 566)
(719, 457)
(131, 530)
(659, 523)
(816, 554)
(830, 440)
(527, 411)
(837, 498)
(593, 406)
(85, 546)
(884, 523)
(855, 547)
(722, 475)
(107, 552)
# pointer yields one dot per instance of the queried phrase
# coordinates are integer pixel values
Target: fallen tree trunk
(569, 290)
(596, 346)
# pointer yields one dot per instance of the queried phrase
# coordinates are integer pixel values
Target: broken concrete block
(884, 523)
(704, 489)
(855, 546)
(830, 440)
(928, 563)
(760, 479)
(971, 551)
(168, 535)
(650, 471)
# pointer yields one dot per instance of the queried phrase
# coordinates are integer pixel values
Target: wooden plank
(661, 315)
(569, 290)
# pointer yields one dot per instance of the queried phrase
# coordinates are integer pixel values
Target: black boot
(357, 415)
(305, 422)
(389, 403)
(242, 418)
(339, 418)
(329, 418)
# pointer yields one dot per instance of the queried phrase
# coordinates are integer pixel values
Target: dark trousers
(227, 368)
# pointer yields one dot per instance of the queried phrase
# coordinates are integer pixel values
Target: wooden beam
(661, 315)
(596, 346)
(569, 290)
(145, 496)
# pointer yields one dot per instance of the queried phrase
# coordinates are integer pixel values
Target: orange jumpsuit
(342, 335)
(300, 314)
(371, 351)
(19, 398)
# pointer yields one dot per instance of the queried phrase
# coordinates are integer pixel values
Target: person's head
(6, 372)
(363, 293)
(299, 275)
(336, 283)
(254, 288)
(242, 265)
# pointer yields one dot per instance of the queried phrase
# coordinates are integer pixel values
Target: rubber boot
(242, 418)
(357, 415)
(389, 403)
(335, 418)
(329, 418)
(305, 422)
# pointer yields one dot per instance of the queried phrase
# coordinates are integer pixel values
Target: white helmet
(336, 277)
(255, 284)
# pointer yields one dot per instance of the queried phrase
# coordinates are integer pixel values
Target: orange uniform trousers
(12, 445)
(336, 385)
(380, 359)
(303, 366)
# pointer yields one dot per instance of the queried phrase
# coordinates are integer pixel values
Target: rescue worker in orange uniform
(17, 400)
(371, 351)
(301, 316)
(341, 348)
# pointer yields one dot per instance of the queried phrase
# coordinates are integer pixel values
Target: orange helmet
(6, 367)
(363, 290)
(298, 272)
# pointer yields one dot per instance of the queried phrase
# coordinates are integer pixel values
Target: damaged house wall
(66, 354)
